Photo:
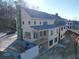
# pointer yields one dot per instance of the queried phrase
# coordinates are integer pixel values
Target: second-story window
(70, 23)
(23, 22)
(29, 22)
(34, 22)
(40, 22)
(45, 23)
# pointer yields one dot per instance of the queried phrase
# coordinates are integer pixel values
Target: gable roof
(43, 15)
(38, 14)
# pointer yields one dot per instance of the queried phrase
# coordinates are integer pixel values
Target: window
(51, 32)
(29, 22)
(34, 22)
(50, 42)
(55, 39)
(23, 22)
(40, 46)
(68, 26)
(27, 35)
(45, 23)
(44, 33)
(61, 28)
(40, 22)
(70, 23)
(40, 33)
(35, 35)
(61, 36)
(57, 30)
(64, 27)
(19, 57)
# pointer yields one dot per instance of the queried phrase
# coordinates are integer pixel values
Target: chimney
(56, 14)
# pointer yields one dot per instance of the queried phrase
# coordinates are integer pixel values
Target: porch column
(38, 35)
(48, 34)
(32, 35)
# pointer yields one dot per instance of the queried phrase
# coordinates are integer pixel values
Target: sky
(68, 9)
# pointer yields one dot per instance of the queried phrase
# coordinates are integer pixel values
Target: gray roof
(45, 27)
(75, 22)
(21, 45)
(40, 14)
(75, 25)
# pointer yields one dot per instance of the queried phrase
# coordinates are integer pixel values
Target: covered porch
(41, 39)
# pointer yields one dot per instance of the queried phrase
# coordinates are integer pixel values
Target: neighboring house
(69, 24)
(73, 25)
(20, 49)
(76, 25)
(40, 28)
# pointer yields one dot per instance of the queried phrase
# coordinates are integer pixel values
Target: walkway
(6, 41)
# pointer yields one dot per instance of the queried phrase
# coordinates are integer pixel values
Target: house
(69, 24)
(40, 28)
(61, 23)
(72, 25)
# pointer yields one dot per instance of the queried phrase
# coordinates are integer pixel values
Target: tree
(7, 17)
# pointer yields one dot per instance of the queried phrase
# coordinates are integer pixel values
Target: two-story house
(40, 28)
